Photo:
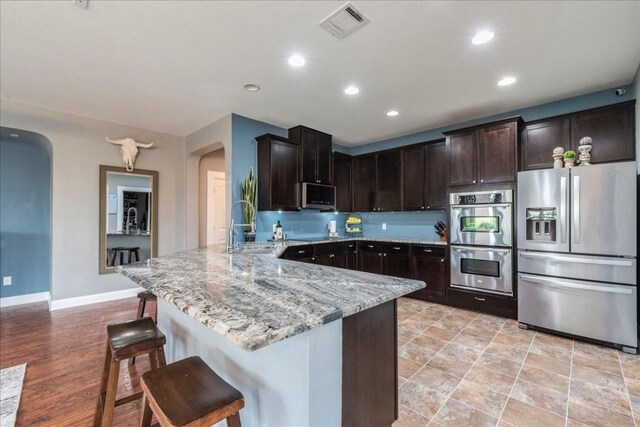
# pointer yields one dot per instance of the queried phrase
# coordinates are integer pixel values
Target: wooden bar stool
(189, 393)
(126, 340)
(143, 297)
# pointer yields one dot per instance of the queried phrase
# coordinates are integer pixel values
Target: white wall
(213, 137)
(79, 148)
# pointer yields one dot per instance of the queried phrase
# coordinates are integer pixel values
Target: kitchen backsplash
(307, 224)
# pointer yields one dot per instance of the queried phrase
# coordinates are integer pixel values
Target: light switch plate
(384, 225)
(6, 281)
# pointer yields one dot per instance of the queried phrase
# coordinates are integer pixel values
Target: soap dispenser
(278, 234)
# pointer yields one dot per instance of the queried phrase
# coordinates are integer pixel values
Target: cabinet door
(612, 130)
(397, 265)
(436, 188)
(539, 140)
(352, 256)
(370, 257)
(299, 253)
(364, 183)
(340, 260)
(324, 168)
(432, 271)
(324, 260)
(342, 180)
(497, 153)
(389, 181)
(463, 155)
(309, 156)
(414, 179)
(285, 191)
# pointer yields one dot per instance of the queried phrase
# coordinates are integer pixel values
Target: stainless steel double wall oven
(482, 241)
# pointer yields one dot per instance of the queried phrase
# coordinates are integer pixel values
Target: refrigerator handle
(560, 284)
(576, 209)
(563, 209)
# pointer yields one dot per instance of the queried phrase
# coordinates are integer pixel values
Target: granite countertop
(256, 299)
(368, 239)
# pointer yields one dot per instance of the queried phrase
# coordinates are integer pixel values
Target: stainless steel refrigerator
(577, 252)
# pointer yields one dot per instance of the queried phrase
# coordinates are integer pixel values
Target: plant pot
(569, 162)
(249, 236)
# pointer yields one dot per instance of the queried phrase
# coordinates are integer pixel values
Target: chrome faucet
(135, 218)
(232, 227)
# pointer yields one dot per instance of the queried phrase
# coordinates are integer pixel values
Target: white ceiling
(178, 66)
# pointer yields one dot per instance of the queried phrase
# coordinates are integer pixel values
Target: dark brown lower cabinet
(351, 256)
(396, 260)
(370, 257)
(429, 264)
(487, 303)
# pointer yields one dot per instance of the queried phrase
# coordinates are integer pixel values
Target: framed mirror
(128, 216)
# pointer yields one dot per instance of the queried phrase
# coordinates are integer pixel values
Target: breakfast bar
(306, 344)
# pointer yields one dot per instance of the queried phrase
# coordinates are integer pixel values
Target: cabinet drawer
(430, 251)
(492, 304)
(395, 248)
(370, 246)
(297, 252)
(329, 248)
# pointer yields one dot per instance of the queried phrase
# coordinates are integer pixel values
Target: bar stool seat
(126, 340)
(189, 393)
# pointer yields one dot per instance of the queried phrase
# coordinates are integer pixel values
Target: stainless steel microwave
(318, 196)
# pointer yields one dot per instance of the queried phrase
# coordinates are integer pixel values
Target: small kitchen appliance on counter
(577, 252)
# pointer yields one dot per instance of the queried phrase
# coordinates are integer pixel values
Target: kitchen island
(307, 345)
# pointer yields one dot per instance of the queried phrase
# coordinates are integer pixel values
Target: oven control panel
(482, 197)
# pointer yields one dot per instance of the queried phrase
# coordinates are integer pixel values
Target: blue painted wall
(25, 216)
(564, 106)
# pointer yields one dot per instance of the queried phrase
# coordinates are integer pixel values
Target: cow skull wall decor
(129, 148)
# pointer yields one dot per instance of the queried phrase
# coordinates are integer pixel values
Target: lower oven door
(482, 269)
(596, 310)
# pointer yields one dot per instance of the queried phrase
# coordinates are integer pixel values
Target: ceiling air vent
(344, 21)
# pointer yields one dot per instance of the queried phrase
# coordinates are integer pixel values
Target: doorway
(212, 198)
(216, 207)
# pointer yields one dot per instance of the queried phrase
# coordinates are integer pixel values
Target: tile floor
(462, 368)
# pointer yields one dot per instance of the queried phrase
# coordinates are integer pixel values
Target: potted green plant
(248, 190)
(569, 158)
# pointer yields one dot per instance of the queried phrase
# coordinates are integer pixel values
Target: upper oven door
(489, 225)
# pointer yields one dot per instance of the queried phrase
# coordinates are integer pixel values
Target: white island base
(294, 382)
(343, 373)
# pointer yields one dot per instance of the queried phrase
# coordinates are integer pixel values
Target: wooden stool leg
(160, 355)
(234, 420)
(145, 421)
(153, 359)
(97, 417)
(141, 305)
(121, 258)
(113, 258)
(110, 398)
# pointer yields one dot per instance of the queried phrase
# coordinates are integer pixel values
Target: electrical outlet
(384, 225)
(6, 281)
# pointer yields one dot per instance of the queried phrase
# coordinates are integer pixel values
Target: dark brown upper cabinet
(388, 181)
(462, 157)
(612, 129)
(483, 154)
(278, 173)
(342, 176)
(497, 152)
(364, 183)
(424, 177)
(414, 177)
(540, 138)
(315, 154)
(437, 176)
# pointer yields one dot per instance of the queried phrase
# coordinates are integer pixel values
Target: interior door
(603, 209)
(216, 207)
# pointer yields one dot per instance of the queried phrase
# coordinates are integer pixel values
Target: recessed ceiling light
(392, 113)
(252, 87)
(506, 81)
(482, 37)
(351, 90)
(296, 61)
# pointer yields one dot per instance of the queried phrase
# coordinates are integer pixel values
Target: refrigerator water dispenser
(541, 224)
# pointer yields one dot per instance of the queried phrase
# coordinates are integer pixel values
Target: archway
(25, 215)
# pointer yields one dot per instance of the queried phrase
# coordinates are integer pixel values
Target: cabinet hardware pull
(478, 298)
(384, 254)
(396, 248)
(423, 207)
(442, 260)
(428, 207)
(301, 252)
(370, 246)
(427, 250)
(331, 256)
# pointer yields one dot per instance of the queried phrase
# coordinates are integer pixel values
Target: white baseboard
(24, 299)
(59, 304)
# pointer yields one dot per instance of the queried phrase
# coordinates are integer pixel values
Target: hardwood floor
(64, 351)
